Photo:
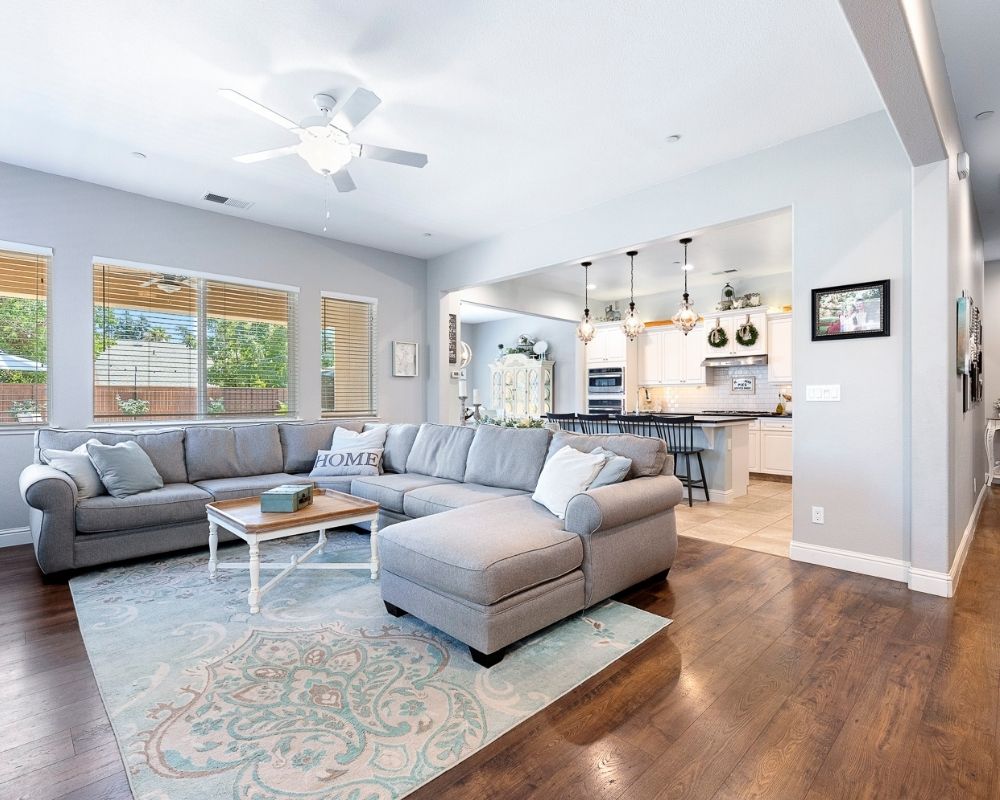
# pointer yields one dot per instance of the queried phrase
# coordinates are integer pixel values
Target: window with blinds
(172, 346)
(23, 337)
(348, 386)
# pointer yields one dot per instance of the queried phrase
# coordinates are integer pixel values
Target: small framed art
(405, 359)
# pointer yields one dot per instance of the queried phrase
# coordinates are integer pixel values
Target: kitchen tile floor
(761, 520)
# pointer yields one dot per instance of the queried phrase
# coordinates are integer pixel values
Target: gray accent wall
(484, 337)
(82, 220)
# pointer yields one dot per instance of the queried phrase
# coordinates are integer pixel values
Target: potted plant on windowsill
(27, 412)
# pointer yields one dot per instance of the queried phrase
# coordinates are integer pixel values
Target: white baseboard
(14, 536)
(878, 566)
(944, 584)
(717, 495)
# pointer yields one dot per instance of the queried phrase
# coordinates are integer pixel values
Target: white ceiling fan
(325, 141)
(166, 283)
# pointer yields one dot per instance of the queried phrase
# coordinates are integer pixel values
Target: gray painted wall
(484, 337)
(991, 333)
(81, 220)
(849, 188)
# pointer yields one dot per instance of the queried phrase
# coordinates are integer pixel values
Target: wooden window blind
(23, 338)
(182, 347)
(348, 379)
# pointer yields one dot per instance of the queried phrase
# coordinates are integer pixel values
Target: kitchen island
(726, 455)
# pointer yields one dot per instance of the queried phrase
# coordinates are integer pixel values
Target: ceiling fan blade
(349, 114)
(393, 156)
(264, 155)
(343, 181)
(263, 111)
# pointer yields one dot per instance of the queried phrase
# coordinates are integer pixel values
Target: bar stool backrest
(568, 422)
(595, 423)
(677, 431)
(636, 424)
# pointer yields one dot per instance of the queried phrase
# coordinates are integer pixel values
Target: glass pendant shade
(585, 330)
(632, 326)
(686, 317)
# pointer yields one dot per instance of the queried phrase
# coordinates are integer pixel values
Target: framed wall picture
(405, 359)
(851, 311)
(452, 338)
(744, 384)
(963, 334)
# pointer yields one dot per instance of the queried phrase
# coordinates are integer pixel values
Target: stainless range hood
(735, 361)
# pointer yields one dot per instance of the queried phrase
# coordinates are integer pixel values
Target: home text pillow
(125, 469)
(614, 471)
(565, 475)
(347, 461)
(77, 464)
(372, 438)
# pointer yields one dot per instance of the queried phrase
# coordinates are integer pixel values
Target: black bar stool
(678, 433)
(595, 423)
(568, 422)
(637, 424)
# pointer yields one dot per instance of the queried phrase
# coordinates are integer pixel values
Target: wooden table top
(327, 506)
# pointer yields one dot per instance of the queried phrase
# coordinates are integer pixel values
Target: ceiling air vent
(726, 271)
(227, 201)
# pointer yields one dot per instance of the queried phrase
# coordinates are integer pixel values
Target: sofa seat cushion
(233, 488)
(445, 497)
(483, 552)
(388, 490)
(339, 483)
(174, 503)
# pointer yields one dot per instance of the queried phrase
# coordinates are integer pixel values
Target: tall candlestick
(463, 389)
(475, 397)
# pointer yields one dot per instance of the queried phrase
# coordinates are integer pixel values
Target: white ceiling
(969, 33)
(755, 247)
(525, 116)
(473, 313)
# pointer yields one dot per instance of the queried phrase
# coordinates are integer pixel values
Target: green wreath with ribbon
(747, 335)
(717, 337)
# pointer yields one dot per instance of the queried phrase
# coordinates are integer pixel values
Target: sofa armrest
(620, 503)
(51, 496)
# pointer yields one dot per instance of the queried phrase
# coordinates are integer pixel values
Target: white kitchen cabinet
(776, 446)
(651, 358)
(732, 322)
(609, 345)
(753, 457)
(694, 353)
(779, 349)
(682, 356)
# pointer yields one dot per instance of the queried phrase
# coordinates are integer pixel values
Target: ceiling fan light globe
(325, 149)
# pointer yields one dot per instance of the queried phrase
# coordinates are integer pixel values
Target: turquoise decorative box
(285, 499)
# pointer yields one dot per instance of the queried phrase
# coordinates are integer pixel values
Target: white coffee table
(243, 517)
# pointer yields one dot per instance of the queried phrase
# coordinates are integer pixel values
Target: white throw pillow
(614, 471)
(342, 437)
(77, 464)
(565, 475)
(347, 461)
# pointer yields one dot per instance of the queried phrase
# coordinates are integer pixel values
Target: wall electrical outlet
(817, 514)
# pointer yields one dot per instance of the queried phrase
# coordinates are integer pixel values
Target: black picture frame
(872, 301)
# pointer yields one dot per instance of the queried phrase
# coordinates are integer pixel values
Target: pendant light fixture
(585, 330)
(632, 325)
(686, 317)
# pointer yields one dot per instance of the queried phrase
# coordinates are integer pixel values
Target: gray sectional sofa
(462, 544)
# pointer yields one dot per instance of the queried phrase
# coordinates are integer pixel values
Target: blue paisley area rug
(321, 696)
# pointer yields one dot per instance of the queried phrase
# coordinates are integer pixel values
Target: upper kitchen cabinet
(667, 357)
(731, 323)
(779, 348)
(609, 345)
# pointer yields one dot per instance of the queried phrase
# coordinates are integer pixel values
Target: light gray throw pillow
(77, 464)
(614, 471)
(347, 461)
(125, 469)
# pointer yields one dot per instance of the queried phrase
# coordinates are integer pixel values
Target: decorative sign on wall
(744, 384)
(452, 339)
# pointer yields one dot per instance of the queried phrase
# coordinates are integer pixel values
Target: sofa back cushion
(511, 458)
(258, 449)
(300, 441)
(165, 448)
(648, 454)
(398, 444)
(440, 451)
(211, 453)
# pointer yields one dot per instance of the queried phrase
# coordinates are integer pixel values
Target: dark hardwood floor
(777, 680)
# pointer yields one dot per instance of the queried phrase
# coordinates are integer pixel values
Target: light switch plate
(828, 393)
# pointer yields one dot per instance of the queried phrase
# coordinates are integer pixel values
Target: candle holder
(467, 413)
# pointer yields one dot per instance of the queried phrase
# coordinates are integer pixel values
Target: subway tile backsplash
(718, 393)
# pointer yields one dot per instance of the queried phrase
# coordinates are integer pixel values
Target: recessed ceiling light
(591, 287)
(428, 235)
(984, 115)
(674, 137)
(137, 154)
